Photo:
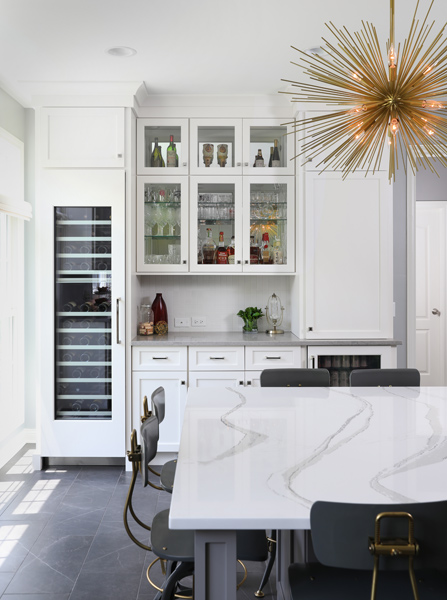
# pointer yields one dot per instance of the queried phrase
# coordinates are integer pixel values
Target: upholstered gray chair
(295, 378)
(385, 378)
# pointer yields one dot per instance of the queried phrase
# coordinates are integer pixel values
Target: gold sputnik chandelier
(399, 100)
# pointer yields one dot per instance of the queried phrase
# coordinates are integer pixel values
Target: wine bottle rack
(83, 317)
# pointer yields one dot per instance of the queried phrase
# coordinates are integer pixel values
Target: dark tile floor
(62, 535)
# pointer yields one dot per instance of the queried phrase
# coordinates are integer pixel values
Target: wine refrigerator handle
(118, 340)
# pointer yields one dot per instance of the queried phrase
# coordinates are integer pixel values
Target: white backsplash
(217, 298)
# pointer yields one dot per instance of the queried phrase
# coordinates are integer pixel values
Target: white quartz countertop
(259, 457)
(237, 338)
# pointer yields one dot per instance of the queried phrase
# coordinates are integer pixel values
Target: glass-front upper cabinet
(268, 147)
(216, 146)
(269, 225)
(216, 224)
(162, 224)
(162, 146)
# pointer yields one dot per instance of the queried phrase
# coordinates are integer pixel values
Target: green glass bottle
(156, 157)
(171, 154)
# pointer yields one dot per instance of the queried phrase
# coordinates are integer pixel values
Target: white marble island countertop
(237, 338)
(258, 458)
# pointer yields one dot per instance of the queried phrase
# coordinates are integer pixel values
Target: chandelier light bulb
(394, 126)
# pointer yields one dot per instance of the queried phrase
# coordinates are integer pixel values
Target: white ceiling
(226, 47)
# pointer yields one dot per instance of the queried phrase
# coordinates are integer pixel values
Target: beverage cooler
(83, 398)
(341, 360)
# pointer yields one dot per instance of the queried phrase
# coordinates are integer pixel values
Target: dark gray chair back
(295, 378)
(158, 403)
(149, 433)
(340, 533)
(385, 378)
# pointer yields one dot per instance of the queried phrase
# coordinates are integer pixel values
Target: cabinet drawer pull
(273, 358)
(159, 358)
(217, 357)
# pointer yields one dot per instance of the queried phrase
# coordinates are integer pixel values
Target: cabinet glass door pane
(83, 317)
(268, 223)
(216, 220)
(263, 138)
(215, 147)
(161, 136)
(340, 366)
(162, 223)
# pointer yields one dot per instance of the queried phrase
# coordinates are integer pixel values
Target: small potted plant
(250, 315)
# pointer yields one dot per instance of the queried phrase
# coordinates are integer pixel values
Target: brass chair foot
(259, 594)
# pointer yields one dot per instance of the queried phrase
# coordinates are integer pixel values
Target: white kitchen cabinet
(258, 358)
(212, 358)
(216, 147)
(82, 318)
(259, 212)
(259, 134)
(349, 256)
(82, 137)
(341, 360)
(159, 131)
(175, 386)
(162, 224)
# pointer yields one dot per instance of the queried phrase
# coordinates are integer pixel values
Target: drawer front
(227, 358)
(267, 357)
(168, 358)
(210, 379)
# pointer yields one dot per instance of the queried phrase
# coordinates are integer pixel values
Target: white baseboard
(15, 444)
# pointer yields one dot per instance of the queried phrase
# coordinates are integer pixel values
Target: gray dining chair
(386, 551)
(385, 378)
(288, 378)
(172, 545)
(295, 378)
(167, 471)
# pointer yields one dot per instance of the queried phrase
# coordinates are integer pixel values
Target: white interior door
(430, 291)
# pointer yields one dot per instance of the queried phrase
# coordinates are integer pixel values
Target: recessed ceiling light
(121, 51)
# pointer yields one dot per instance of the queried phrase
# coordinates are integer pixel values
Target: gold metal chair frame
(395, 547)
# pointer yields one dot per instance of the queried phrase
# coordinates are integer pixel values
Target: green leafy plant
(250, 316)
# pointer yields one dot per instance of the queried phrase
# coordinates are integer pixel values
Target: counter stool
(385, 378)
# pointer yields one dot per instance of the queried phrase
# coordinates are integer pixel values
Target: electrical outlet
(198, 321)
(182, 322)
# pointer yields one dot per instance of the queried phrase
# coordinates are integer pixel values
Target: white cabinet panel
(216, 358)
(174, 384)
(267, 357)
(159, 131)
(349, 256)
(211, 379)
(83, 137)
(167, 358)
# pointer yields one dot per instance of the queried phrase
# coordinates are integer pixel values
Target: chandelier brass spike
(383, 100)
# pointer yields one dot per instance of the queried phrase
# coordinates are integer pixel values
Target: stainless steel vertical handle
(118, 300)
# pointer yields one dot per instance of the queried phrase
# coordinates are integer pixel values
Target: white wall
(218, 298)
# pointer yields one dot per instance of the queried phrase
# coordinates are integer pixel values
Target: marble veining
(259, 457)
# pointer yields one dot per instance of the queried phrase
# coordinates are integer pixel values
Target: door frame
(411, 266)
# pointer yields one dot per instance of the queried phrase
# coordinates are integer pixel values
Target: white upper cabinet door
(162, 224)
(83, 137)
(216, 146)
(349, 256)
(260, 135)
(269, 225)
(162, 147)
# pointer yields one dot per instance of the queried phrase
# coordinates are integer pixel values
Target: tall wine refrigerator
(84, 412)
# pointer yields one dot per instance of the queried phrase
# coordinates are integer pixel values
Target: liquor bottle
(265, 249)
(199, 249)
(230, 251)
(160, 315)
(271, 156)
(209, 249)
(156, 157)
(254, 251)
(171, 154)
(276, 160)
(278, 257)
(259, 161)
(221, 252)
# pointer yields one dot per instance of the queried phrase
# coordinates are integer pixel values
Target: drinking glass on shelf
(171, 219)
(178, 220)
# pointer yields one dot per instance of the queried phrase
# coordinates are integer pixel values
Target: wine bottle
(254, 251)
(156, 157)
(271, 156)
(278, 257)
(230, 251)
(171, 154)
(259, 160)
(221, 252)
(265, 252)
(69, 306)
(160, 315)
(276, 160)
(209, 249)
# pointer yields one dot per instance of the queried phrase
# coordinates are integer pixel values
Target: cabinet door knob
(119, 155)
(239, 262)
(310, 329)
(241, 383)
(435, 311)
(245, 164)
(246, 262)
(184, 164)
(184, 262)
(248, 382)
(238, 164)
(183, 382)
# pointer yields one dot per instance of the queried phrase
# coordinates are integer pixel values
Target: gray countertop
(237, 338)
